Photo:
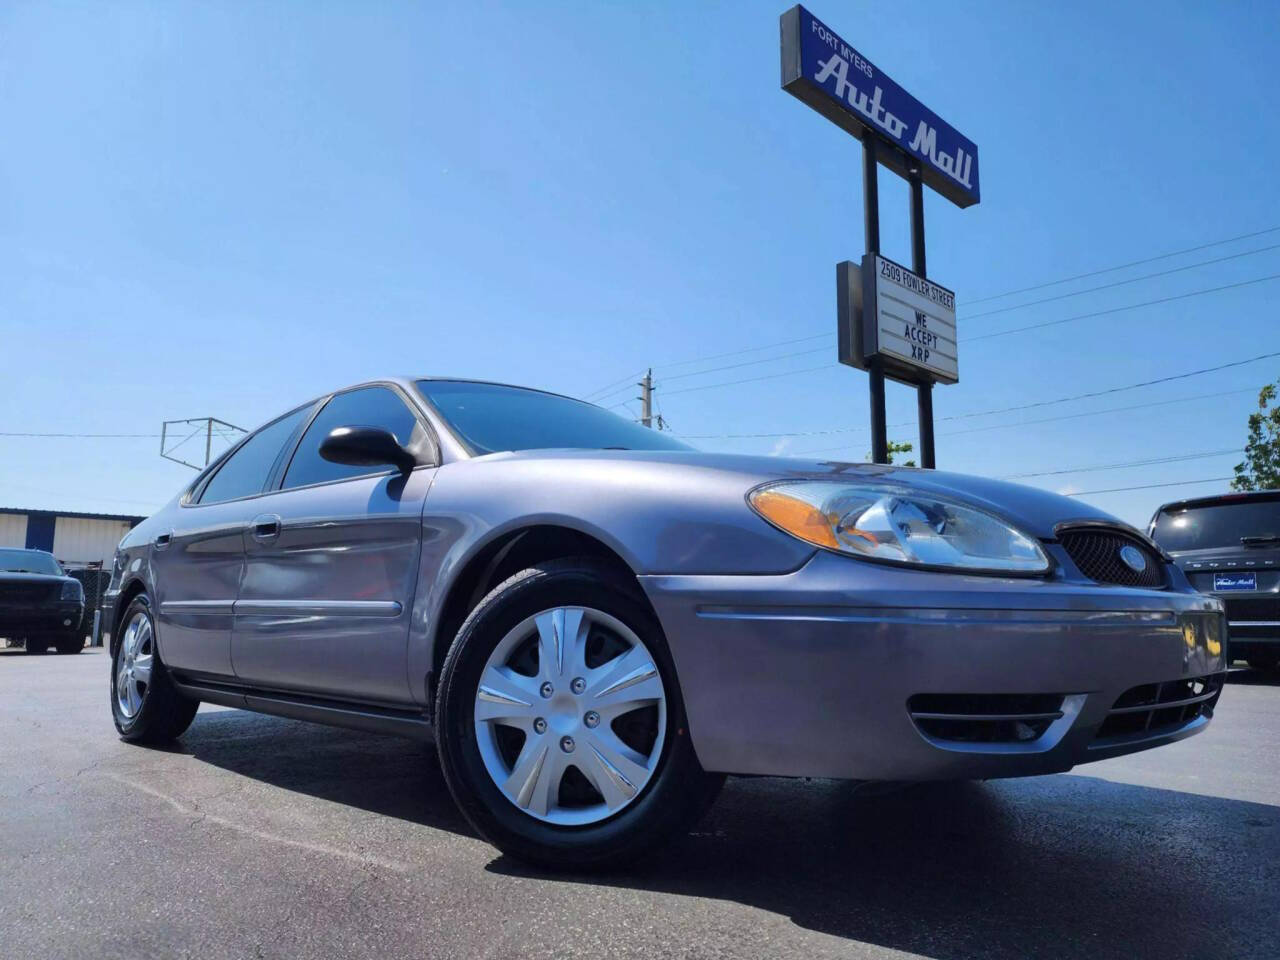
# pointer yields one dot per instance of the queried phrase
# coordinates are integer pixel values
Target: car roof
(1221, 499)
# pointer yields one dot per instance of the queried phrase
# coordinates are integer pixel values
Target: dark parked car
(596, 622)
(39, 603)
(1229, 547)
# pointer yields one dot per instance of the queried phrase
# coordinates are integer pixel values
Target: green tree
(896, 447)
(1261, 467)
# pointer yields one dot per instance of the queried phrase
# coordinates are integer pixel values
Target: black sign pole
(875, 368)
(924, 391)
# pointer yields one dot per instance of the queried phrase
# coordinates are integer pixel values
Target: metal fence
(94, 578)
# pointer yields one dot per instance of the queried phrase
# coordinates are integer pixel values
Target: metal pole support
(924, 391)
(871, 228)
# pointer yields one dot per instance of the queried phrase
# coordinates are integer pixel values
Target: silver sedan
(596, 623)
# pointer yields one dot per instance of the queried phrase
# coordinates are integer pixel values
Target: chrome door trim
(321, 608)
(201, 607)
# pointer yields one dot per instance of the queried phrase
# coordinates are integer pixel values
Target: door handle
(163, 539)
(265, 528)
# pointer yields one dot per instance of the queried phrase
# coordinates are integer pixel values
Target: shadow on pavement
(1054, 866)
(383, 775)
(1048, 866)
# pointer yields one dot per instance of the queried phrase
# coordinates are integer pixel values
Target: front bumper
(810, 673)
(20, 620)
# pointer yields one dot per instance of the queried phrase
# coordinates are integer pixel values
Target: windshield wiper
(1260, 541)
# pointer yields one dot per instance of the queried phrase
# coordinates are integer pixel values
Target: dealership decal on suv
(1235, 581)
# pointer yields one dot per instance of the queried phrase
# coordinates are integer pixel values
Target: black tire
(1264, 662)
(70, 643)
(678, 792)
(165, 713)
(37, 644)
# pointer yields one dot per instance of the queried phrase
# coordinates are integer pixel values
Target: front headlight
(897, 524)
(71, 590)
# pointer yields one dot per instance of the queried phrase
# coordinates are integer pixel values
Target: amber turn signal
(796, 517)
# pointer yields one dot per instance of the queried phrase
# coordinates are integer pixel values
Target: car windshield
(28, 561)
(1228, 524)
(489, 417)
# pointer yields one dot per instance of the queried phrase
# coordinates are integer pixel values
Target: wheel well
(131, 590)
(508, 555)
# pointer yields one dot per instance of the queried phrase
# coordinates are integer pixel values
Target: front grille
(1252, 608)
(985, 717)
(1156, 708)
(24, 592)
(1096, 551)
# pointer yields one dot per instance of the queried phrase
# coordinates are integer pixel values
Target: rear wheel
(561, 729)
(145, 705)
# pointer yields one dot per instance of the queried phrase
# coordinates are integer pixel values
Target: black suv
(39, 602)
(1229, 546)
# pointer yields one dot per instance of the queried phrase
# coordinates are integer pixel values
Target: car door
(198, 563)
(331, 561)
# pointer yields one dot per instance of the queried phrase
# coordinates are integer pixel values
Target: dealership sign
(848, 89)
(906, 320)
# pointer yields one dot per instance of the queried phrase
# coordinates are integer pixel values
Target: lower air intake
(985, 718)
(1159, 708)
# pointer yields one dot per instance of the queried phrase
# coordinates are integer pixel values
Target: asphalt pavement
(262, 837)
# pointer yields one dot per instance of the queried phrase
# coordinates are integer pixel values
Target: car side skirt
(354, 716)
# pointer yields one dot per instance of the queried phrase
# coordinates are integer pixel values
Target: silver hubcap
(570, 715)
(133, 665)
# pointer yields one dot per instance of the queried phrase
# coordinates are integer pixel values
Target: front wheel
(145, 705)
(561, 729)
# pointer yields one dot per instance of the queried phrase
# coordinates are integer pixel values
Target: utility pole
(646, 398)
(171, 430)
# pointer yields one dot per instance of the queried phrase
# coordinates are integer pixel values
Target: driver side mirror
(366, 447)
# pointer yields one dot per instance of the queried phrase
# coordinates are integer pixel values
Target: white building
(76, 539)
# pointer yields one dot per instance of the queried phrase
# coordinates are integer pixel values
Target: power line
(603, 393)
(748, 363)
(1149, 486)
(714, 356)
(1132, 306)
(1066, 416)
(613, 387)
(84, 436)
(1128, 463)
(986, 413)
(1121, 389)
(1123, 266)
(985, 336)
(750, 379)
(738, 353)
(1120, 283)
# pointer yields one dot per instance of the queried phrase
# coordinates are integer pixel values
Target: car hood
(1033, 510)
(9, 576)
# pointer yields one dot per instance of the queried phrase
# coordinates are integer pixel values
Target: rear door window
(245, 472)
(366, 407)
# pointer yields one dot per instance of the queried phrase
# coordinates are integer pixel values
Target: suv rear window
(1217, 524)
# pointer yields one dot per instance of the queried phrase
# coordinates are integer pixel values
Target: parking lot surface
(262, 837)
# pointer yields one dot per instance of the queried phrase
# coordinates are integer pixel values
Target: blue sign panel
(1226, 582)
(845, 87)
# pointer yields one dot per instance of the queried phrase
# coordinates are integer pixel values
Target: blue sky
(224, 209)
